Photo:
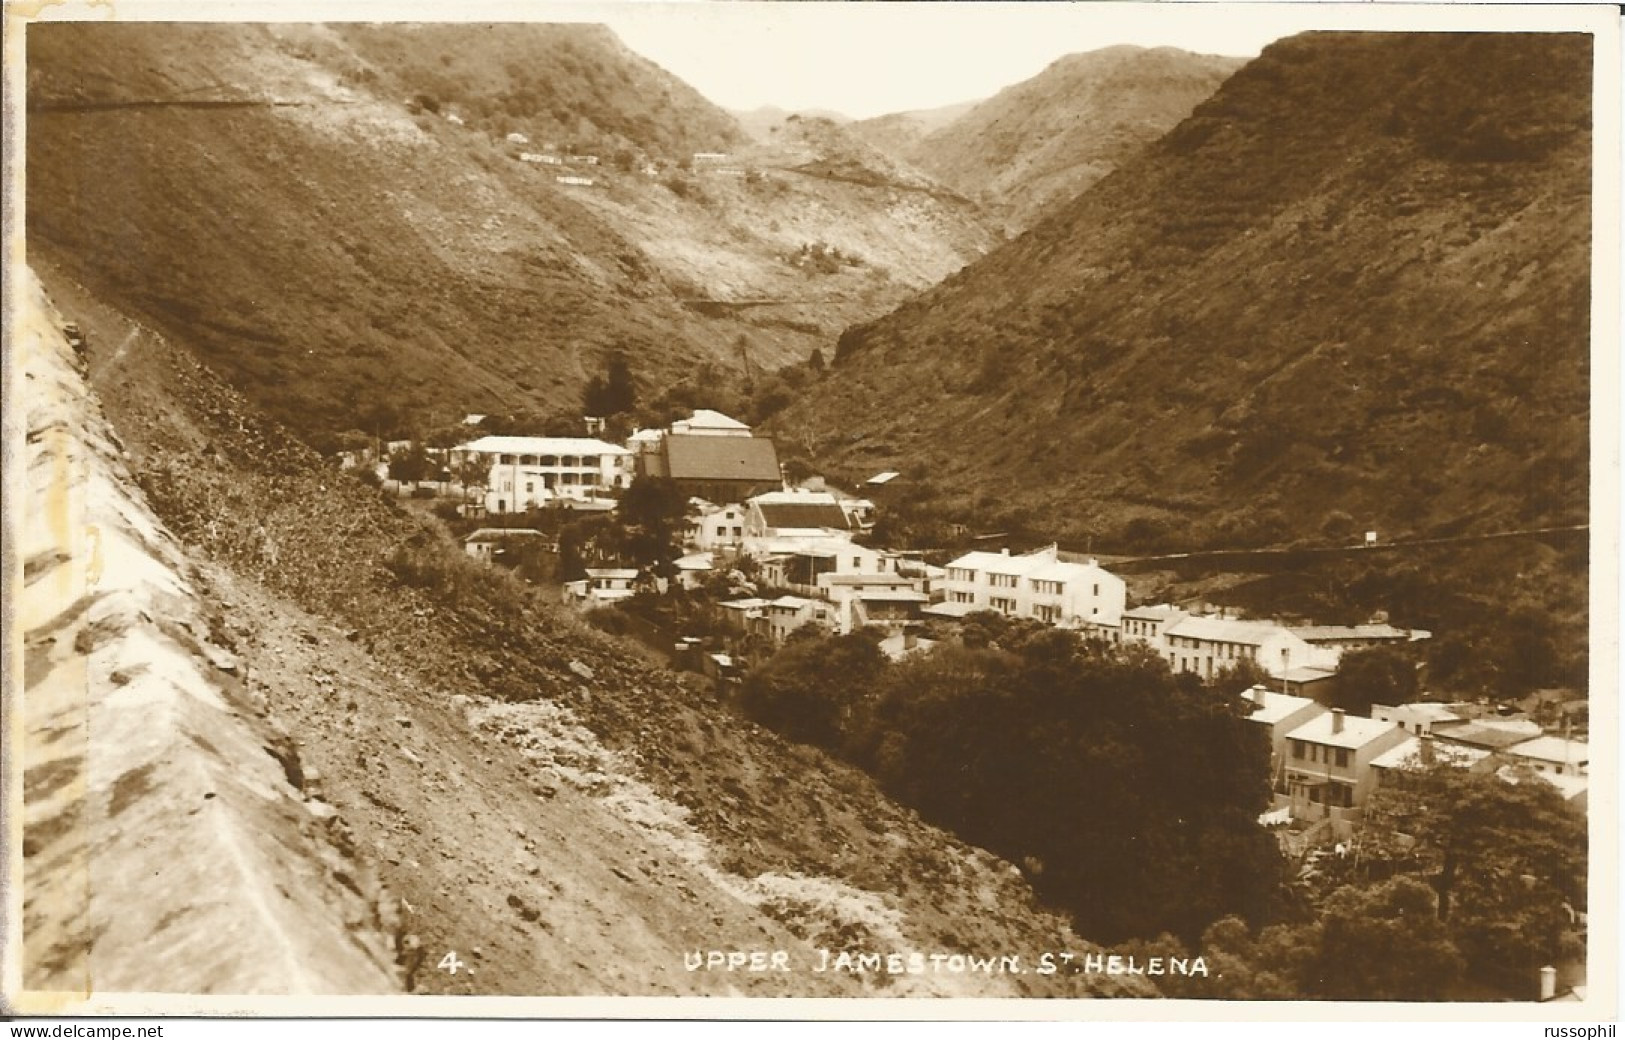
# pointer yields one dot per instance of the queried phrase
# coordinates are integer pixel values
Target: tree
(1375, 675)
(809, 689)
(614, 392)
(653, 512)
(1507, 858)
(1384, 943)
(409, 464)
(472, 472)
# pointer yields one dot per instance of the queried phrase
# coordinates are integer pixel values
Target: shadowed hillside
(339, 218)
(1352, 288)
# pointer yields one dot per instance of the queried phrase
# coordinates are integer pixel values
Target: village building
(713, 527)
(693, 569)
(905, 642)
(1417, 717)
(495, 543)
(888, 599)
(575, 180)
(1358, 637)
(1280, 714)
(1553, 755)
(781, 616)
(739, 613)
(1207, 645)
(1037, 584)
(794, 514)
(707, 423)
(601, 587)
(541, 471)
(715, 468)
(1421, 752)
(1491, 733)
(1146, 624)
(1328, 767)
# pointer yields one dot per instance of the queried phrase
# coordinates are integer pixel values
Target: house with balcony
(540, 471)
(889, 600)
(1329, 775)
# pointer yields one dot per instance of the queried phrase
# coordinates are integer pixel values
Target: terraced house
(1038, 585)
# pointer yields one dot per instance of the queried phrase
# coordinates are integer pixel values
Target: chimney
(1548, 983)
(1337, 720)
(1005, 551)
(1427, 748)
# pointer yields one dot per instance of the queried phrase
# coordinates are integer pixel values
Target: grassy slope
(1049, 138)
(1356, 279)
(344, 251)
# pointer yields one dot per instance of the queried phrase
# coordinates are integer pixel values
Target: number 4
(450, 963)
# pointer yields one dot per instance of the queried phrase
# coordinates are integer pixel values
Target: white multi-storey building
(539, 471)
(1037, 585)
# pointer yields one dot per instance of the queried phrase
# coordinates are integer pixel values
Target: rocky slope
(174, 837)
(561, 816)
(1352, 288)
(1049, 138)
(337, 216)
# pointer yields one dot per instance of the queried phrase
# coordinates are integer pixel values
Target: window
(1097, 588)
(1002, 581)
(530, 485)
(1343, 757)
(1048, 588)
(1297, 749)
(1046, 612)
(1003, 605)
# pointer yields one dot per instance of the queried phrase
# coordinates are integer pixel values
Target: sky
(868, 59)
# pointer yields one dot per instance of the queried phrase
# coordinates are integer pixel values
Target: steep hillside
(337, 216)
(1050, 137)
(1351, 289)
(898, 133)
(172, 840)
(565, 818)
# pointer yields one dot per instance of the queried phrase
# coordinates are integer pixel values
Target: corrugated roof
(1489, 733)
(1312, 633)
(1154, 612)
(698, 457)
(803, 516)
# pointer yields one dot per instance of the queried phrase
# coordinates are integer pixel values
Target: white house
(537, 471)
(1280, 714)
(712, 527)
(1207, 645)
(1328, 766)
(708, 423)
(1037, 585)
(488, 543)
(601, 587)
(1418, 717)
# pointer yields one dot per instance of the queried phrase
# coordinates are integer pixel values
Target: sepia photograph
(875, 501)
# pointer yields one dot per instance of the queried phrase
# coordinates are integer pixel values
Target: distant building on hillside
(715, 468)
(708, 423)
(541, 471)
(493, 543)
(1038, 585)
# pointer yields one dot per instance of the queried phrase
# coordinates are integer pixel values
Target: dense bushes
(1132, 797)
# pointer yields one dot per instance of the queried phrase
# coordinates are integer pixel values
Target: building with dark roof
(719, 469)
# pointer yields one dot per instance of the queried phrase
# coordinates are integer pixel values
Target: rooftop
(1356, 732)
(1155, 612)
(497, 534)
(495, 445)
(1272, 706)
(744, 604)
(1224, 630)
(1317, 633)
(803, 516)
(1004, 562)
(1408, 755)
(1487, 733)
(626, 573)
(882, 478)
(1553, 749)
(694, 456)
